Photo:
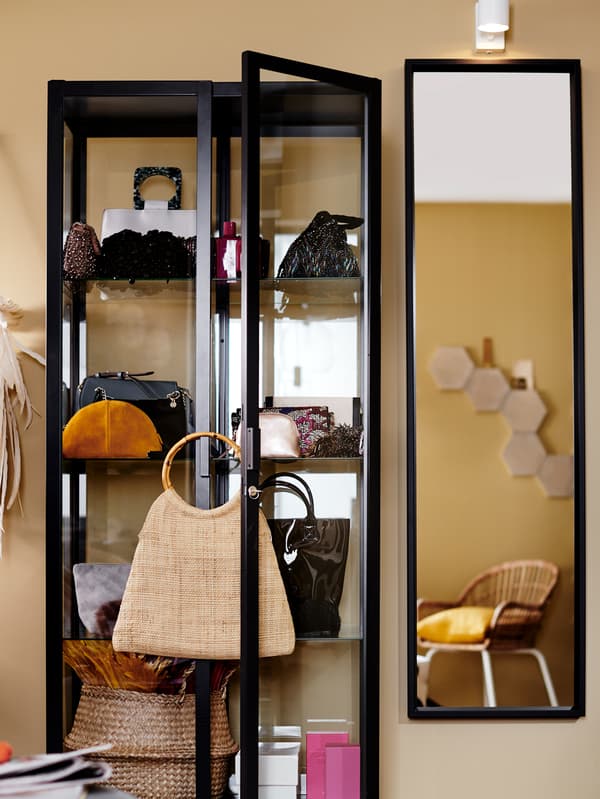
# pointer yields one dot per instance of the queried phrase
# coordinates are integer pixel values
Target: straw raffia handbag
(182, 598)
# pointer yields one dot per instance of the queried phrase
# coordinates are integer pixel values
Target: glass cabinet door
(310, 187)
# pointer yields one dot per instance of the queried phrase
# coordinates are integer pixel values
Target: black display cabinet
(270, 152)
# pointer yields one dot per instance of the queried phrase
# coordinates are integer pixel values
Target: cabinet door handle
(252, 447)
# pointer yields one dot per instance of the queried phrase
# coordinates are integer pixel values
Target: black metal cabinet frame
(215, 112)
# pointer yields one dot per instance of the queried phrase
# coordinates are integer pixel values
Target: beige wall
(190, 40)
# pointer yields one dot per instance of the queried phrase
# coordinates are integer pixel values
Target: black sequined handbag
(157, 254)
(322, 249)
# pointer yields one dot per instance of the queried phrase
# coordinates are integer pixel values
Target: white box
(277, 792)
(277, 766)
(269, 791)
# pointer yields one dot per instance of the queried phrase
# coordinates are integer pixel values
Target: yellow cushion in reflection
(464, 625)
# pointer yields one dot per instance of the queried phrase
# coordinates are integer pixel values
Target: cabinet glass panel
(311, 365)
(133, 317)
(124, 324)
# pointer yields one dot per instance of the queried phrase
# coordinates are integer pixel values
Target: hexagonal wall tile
(451, 367)
(556, 475)
(487, 388)
(524, 454)
(524, 410)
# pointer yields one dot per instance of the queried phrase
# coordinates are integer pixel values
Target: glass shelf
(343, 637)
(105, 290)
(132, 464)
(280, 293)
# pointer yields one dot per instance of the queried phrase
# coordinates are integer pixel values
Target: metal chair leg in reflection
(489, 687)
(489, 690)
(423, 664)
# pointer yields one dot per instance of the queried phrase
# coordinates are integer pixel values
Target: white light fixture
(491, 20)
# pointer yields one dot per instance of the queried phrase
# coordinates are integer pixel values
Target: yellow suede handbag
(110, 429)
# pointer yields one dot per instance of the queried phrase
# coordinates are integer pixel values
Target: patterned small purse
(311, 421)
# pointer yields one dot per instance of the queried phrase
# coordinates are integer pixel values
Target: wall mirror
(495, 389)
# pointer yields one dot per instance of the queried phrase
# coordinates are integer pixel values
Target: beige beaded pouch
(182, 598)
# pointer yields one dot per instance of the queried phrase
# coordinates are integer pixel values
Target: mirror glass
(495, 389)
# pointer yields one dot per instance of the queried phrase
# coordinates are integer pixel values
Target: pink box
(342, 771)
(315, 760)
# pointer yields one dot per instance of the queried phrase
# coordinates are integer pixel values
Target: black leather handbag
(168, 405)
(312, 555)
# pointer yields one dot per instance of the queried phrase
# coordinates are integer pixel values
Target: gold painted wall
(192, 40)
(504, 271)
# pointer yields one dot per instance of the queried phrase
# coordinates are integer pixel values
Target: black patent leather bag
(311, 554)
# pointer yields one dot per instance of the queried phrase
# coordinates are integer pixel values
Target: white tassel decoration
(14, 402)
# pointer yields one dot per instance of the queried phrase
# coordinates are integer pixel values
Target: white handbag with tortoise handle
(146, 215)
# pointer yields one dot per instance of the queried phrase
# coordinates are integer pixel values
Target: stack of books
(55, 776)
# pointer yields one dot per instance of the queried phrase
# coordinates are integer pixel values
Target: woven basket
(153, 738)
(222, 745)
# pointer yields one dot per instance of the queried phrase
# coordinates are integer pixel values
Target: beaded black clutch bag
(157, 254)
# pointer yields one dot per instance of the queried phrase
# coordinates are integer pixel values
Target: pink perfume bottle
(229, 250)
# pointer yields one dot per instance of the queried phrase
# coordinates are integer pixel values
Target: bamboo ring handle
(166, 469)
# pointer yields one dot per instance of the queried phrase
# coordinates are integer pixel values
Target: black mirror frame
(573, 69)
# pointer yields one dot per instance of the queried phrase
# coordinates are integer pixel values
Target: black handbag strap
(122, 375)
(291, 489)
(143, 385)
(281, 479)
(347, 222)
(311, 530)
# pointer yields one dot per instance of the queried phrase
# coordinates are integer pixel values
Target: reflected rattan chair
(518, 591)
